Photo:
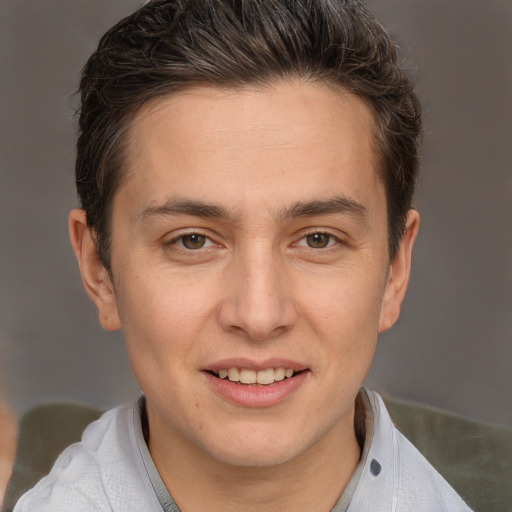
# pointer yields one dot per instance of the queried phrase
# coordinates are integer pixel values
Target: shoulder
(395, 475)
(474, 457)
(102, 472)
(418, 482)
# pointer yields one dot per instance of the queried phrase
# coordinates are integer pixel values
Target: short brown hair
(169, 45)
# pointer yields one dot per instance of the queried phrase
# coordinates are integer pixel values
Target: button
(375, 467)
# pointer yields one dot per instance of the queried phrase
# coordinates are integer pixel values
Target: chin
(266, 449)
(263, 458)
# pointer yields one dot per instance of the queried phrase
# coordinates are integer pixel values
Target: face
(250, 267)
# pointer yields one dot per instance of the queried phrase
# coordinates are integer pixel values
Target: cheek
(344, 315)
(161, 318)
(349, 302)
(161, 328)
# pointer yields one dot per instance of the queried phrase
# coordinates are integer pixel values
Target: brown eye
(318, 240)
(193, 241)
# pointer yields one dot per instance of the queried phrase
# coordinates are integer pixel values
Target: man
(246, 172)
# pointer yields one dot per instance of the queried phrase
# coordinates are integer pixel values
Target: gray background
(453, 345)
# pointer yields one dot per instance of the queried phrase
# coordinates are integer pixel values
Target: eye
(319, 240)
(193, 241)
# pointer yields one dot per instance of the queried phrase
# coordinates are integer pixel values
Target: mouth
(250, 377)
(251, 384)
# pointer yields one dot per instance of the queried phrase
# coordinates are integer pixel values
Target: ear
(96, 279)
(399, 272)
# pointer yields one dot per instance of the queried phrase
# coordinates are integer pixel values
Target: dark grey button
(375, 467)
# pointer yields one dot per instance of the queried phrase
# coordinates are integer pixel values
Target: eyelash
(175, 241)
(332, 240)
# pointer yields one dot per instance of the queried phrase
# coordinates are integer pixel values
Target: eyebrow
(335, 205)
(181, 206)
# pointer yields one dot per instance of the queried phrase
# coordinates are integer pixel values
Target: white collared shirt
(111, 470)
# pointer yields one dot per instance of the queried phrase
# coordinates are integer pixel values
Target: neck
(313, 480)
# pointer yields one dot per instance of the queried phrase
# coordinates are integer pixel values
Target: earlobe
(96, 280)
(399, 273)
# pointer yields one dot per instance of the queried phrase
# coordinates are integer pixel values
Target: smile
(254, 377)
(249, 383)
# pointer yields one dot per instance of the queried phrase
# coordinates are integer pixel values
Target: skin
(8, 428)
(261, 287)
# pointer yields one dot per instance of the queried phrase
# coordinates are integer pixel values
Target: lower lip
(256, 396)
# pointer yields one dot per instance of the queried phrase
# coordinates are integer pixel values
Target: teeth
(279, 373)
(263, 377)
(247, 376)
(233, 375)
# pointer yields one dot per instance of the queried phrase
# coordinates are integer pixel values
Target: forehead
(287, 137)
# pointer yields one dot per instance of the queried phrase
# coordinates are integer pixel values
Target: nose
(259, 302)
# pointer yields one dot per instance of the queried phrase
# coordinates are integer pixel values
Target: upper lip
(226, 364)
